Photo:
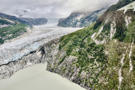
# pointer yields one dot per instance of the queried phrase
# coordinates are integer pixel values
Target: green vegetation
(82, 40)
(100, 66)
(11, 32)
(130, 33)
(80, 45)
(2, 22)
(101, 63)
(1, 41)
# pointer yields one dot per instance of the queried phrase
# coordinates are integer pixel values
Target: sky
(51, 8)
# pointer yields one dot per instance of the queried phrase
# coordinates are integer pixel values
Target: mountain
(11, 26)
(80, 19)
(35, 21)
(120, 4)
(27, 21)
(98, 57)
(12, 18)
(101, 56)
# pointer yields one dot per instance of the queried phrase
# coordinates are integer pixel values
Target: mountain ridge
(80, 19)
(27, 21)
(12, 26)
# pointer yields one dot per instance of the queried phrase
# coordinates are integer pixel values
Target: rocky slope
(10, 28)
(80, 19)
(101, 56)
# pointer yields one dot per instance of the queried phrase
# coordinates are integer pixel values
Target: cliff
(39, 55)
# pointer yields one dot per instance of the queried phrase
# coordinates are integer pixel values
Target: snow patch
(120, 70)
(127, 20)
(130, 54)
(95, 35)
(113, 30)
(100, 30)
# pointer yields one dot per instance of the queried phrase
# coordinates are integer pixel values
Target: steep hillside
(101, 56)
(8, 32)
(5, 21)
(80, 19)
(10, 27)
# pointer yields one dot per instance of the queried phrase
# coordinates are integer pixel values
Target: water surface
(37, 78)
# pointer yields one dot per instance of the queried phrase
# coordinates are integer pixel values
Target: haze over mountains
(52, 8)
(81, 19)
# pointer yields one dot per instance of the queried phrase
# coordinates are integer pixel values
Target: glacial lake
(37, 77)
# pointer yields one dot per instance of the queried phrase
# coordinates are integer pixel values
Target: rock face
(81, 19)
(40, 55)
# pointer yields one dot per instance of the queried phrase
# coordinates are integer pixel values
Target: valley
(99, 56)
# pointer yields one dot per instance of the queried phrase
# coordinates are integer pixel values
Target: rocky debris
(41, 55)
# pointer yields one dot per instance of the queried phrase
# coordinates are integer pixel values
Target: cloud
(51, 8)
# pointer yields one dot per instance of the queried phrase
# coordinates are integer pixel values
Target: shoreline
(36, 77)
